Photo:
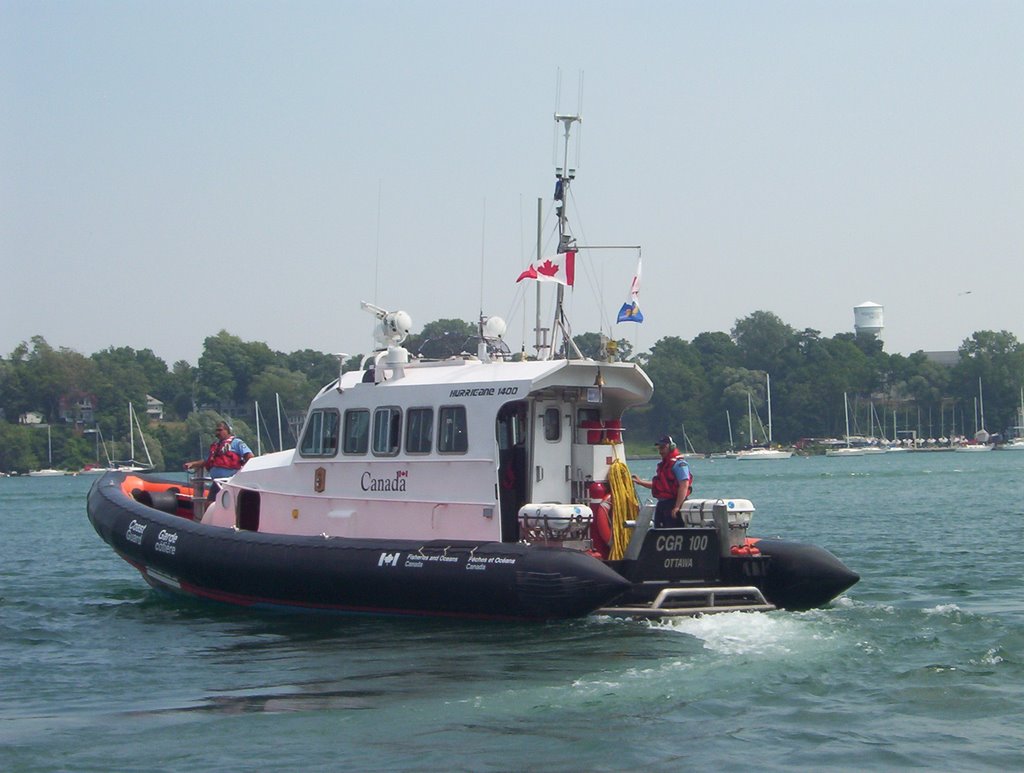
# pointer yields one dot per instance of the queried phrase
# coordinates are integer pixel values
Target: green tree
(227, 367)
(121, 379)
(680, 391)
(994, 362)
(443, 338)
(762, 339)
(17, 452)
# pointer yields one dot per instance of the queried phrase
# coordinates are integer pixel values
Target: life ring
(601, 527)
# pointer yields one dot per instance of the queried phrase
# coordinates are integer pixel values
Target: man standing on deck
(670, 485)
(227, 455)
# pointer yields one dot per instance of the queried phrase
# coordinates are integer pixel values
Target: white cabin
(439, 449)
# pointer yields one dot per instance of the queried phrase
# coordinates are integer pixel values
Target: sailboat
(130, 464)
(981, 436)
(731, 453)
(49, 472)
(849, 450)
(874, 444)
(767, 452)
(1017, 443)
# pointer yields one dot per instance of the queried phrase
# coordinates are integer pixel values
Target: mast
(259, 441)
(563, 179)
(981, 402)
(728, 421)
(768, 382)
(750, 421)
(846, 410)
(142, 437)
(131, 433)
(280, 439)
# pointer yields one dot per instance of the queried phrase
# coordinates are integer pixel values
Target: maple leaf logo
(547, 268)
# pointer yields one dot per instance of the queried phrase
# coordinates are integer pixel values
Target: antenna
(483, 243)
(566, 243)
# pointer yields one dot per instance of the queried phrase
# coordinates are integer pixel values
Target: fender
(601, 527)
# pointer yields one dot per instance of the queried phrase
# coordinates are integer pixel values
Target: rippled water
(919, 665)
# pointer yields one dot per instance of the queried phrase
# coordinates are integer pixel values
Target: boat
(1016, 443)
(131, 464)
(479, 486)
(848, 449)
(767, 451)
(980, 441)
(48, 472)
(731, 453)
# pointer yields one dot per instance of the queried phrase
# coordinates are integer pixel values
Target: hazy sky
(171, 169)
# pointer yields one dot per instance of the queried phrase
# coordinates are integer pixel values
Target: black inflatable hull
(802, 576)
(402, 577)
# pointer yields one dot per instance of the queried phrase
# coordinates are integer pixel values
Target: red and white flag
(559, 268)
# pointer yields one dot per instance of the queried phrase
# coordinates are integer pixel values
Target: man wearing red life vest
(670, 485)
(227, 455)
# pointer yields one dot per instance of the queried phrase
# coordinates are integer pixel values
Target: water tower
(867, 319)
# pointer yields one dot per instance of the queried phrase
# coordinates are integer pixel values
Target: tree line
(703, 387)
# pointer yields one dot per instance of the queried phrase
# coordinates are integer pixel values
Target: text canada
(397, 483)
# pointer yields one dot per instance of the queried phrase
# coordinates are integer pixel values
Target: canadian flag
(559, 268)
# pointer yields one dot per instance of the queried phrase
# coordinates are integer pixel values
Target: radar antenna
(393, 327)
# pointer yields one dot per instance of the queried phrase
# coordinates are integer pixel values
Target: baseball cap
(665, 440)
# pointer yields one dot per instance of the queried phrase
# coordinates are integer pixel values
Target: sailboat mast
(750, 421)
(768, 382)
(259, 441)
(981, 402)
(846, 410)
(280, 439)
(131, 432)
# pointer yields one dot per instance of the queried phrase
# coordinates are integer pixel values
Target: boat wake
(762, 635)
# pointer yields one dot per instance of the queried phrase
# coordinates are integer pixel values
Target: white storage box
(700, 512)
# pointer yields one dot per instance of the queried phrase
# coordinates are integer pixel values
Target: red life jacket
(221, 455)
(664, 484)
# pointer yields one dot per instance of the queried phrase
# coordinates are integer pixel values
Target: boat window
(357, 432)
(419, 429)
(387, 431)
(321, 437)
(452, 437)
(552, 424)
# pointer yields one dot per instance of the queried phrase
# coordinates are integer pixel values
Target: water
(919, 665)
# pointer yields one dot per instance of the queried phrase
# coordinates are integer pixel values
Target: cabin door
(513, 466)
(552, 452)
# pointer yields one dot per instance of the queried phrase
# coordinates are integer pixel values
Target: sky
(170, 170)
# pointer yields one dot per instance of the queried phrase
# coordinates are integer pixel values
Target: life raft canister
(601, 526)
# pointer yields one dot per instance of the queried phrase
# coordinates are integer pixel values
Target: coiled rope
(625, 507)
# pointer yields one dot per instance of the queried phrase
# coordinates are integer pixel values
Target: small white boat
(973, 448)
(1017, 443)
(849, 449)
(763, 453)
(47, 472)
